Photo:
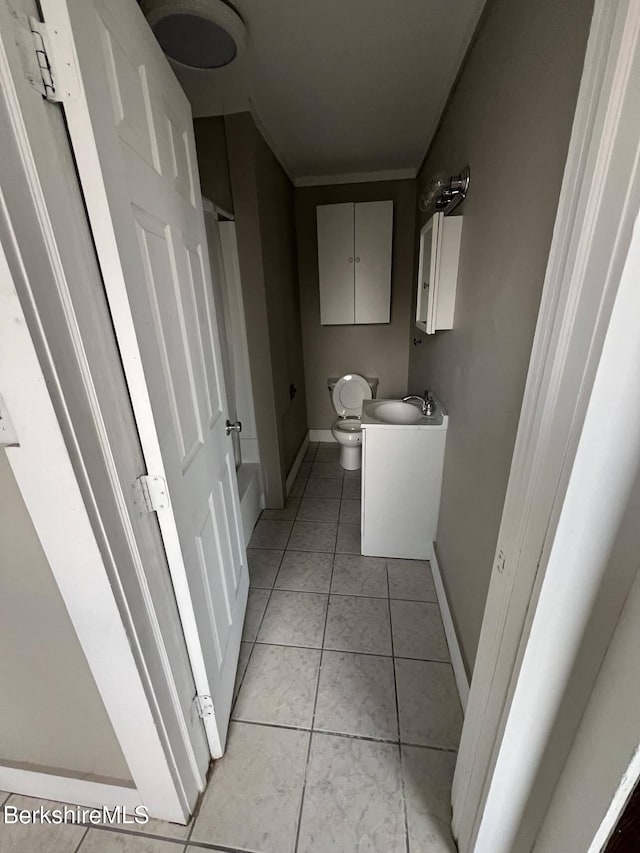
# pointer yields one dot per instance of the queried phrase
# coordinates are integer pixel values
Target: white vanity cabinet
(440, 240)
(354, 262)
(402, 469)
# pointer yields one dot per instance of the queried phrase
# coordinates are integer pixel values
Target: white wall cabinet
(440, 240)
(354, 262)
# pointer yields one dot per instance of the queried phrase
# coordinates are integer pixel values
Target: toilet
(347, 395)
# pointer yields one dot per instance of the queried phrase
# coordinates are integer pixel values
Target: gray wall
(276, 206)
(264, 209)
(380, 350)
(510, 120)
(213, 161)
(51, 713)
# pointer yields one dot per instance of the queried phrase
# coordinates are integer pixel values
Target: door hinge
(204, 706)
(8, 435)
(50, 64)
(150, 493)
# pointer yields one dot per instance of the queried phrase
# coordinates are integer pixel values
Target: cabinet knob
(350, 260)
(357, 260)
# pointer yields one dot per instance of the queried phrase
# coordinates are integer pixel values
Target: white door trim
(44, 474)
(589, 248)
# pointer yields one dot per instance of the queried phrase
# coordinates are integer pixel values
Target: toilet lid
(348, 394)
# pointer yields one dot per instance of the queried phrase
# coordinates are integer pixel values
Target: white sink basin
(395, 412)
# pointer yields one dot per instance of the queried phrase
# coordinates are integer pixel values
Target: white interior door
(132, 135)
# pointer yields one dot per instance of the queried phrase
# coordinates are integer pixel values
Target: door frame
(233, 289)
(57, 411)
(584, 282)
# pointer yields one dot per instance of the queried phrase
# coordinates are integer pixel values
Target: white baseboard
(321, 435)
(66, 789)
(297, 462)
(462, 682)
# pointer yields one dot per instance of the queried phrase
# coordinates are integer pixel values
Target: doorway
(232, 330)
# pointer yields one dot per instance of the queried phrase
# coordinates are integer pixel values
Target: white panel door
(335, 263)
(132, 135)
(372, 262)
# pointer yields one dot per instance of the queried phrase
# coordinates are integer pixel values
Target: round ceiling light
(204, 34)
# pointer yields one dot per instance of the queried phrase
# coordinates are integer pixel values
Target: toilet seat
(347, 424)
(348, 394)
(348, 433)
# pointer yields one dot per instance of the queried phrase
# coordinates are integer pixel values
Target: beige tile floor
(346, 716)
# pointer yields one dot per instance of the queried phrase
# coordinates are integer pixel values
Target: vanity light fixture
(202, 34)
(444, 193)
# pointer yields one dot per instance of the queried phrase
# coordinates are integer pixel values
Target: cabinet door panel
(400, 508)
(426, 272)
(373, 238)
(335, 263)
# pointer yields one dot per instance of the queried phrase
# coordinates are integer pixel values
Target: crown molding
(356, 177)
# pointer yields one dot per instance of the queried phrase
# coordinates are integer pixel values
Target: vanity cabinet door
(336, 263)
(440, 240)
(372, 262)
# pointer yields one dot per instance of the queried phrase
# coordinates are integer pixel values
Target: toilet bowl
(347, 395)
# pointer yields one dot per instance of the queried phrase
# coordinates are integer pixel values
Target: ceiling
(342, 87)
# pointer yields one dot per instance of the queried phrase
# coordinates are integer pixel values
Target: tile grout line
(218, 848)
(264, 612)
(318, 677)
(306, 764)
(346, 735)
(312, 731)
(345, 651)
(81, 842)
(255, 640)
(395, 690)
(117, 830)
(315, 704)
(184, 843)
(316, 592)
(259, 627)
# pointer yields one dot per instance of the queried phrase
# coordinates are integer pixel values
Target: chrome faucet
(427, 403)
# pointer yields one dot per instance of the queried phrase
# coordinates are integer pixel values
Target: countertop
(439, 419)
